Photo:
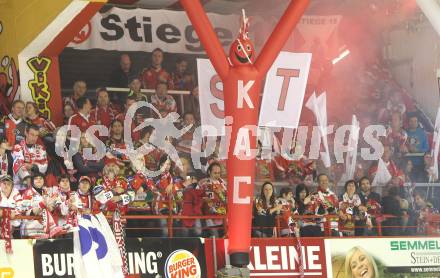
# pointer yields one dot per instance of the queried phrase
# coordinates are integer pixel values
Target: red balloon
(241, 87)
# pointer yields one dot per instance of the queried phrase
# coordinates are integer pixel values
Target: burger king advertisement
(182, 263)
(166, 257)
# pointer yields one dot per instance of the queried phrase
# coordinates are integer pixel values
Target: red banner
(274, 257)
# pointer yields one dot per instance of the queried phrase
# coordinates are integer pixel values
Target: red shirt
(134, 135)
(103, 116)
(43, 123)
(81, 121)
(150, 77)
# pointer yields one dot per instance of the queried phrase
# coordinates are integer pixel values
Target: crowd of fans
(35, 181)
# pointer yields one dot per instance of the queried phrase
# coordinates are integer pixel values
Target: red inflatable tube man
(242, 80)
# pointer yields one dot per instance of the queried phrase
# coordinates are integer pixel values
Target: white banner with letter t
(284, 90)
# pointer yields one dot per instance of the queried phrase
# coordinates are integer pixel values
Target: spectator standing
(40, 204)
(120, 76)
(191, 102)
(327, 200)
(168, 189)
(214, 188)
(265, 211)
(104, 113)
(395, 174)
(184, 143)
(192, 206)
(67, 112)
(349, 209)
(396, 136)
(155, 74)
(162, 101)
(118, 186)
(82, 118)
(87, 203)
(391, 206)
(153, 153)
(33, 116)
(79, 90)
(422, 209)
(29, 157)
(116, 146)
(288, 202)
(13, 125)
(6, 160)
(306, 204)
(417, 140)
(182, 80)
(129, 101)
(10, 198)
(264, 168)
(135, 90)
(144, 188)
(86, 166)
(370, 204)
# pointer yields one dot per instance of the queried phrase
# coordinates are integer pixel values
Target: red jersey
(23, 153)
(43, 123)
(103, 115)
(153, 154)
(151, 76)
(163, 199)
(215, 198)
(14, 129)
(81, 121)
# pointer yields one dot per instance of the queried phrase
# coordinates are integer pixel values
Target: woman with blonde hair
(360, 264)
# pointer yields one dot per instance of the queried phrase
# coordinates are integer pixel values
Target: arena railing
(432, 222)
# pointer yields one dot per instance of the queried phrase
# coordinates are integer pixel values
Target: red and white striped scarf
(4, 165)
(118, 231)
(6, 232)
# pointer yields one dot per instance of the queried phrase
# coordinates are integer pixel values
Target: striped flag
(94, 250)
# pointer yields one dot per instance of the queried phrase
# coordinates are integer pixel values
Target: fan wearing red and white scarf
(64, 213)
(38, 205)
(9, 197)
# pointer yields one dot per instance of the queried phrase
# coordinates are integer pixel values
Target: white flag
(94, 251)
(435, 150)
(382, 176)
(350, 159)
(318, 105)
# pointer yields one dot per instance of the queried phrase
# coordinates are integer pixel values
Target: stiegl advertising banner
(383, 257)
